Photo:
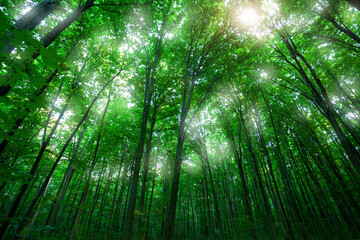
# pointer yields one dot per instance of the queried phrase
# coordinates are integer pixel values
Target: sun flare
(249, 17)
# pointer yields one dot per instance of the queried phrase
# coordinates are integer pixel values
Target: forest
(179, 119)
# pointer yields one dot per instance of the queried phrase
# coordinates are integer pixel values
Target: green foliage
(274, 111)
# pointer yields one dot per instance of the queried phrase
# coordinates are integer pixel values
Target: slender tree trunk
(86, 189)
(218, 218)
(145, 171)
(114, 197)
(99, 218)
(321, 98)
(119, 200)
(148, 215)
(186, 101)
(140, 149)
(127, 198)
(278, 151)
(325, 14)
(67, 178)
(165, 193)
(95, 199)
(23, 188)
(246, 192)
(170, 223)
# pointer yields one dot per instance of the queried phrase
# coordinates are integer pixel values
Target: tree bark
(354, 3)
(33, 18)
(53, 34)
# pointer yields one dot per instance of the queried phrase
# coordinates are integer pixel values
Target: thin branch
(121, 4)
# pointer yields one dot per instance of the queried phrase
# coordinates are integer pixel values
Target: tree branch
(121, 4)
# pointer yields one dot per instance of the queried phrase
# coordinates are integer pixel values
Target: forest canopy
(179, 119)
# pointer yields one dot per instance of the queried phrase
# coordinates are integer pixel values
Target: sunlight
(188, 162)
(250, 21)
(169, 35)
(25, 10)
(351, 115)
(249, 17)
(256, 19)
(263, 74)
(271, 8)
(28, 4)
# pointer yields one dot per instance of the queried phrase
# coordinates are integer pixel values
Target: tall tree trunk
(53, 34)
(239, 163)
(86, 189)
(33, 18)
(202, 151)
(321, 98)
(278, 151)
(38, 194)
(114, 196)
(24, 186)
(146, 232)
(67, 178)
(150, 81)
(103, 204)
(119, 200)
(95, 199)
(186, 101)
(127, 197)
(40, 91)
(218, 217)
(170, 223)
(145, 171)
(354, 3)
